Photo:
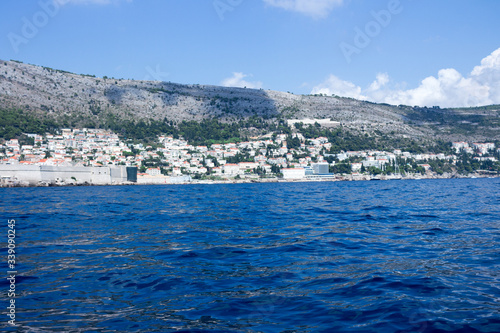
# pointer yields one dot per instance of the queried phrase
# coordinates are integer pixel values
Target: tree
(344, 168)
(374, 170)
(275, 169)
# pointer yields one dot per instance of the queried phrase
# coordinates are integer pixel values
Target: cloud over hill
(448, 89)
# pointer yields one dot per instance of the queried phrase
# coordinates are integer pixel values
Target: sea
(374, 256)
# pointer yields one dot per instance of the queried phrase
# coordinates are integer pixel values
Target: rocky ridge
(55, 93)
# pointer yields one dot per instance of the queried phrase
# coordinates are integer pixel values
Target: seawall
(33, 175)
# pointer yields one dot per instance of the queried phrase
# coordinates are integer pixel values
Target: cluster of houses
(175, 159)
(479, 149)
(77, 147)
(261, 156)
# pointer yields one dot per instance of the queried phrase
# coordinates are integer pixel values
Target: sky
(414, 52)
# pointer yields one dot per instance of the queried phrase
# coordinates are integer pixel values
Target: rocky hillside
(47, 92)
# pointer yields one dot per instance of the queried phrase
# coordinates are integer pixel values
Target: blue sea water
(387, 256)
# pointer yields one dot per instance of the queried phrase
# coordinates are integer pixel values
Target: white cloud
(488, 74)
(380, 82)
(237, 80)
(449, 89)
(335, 86)
(314, 8)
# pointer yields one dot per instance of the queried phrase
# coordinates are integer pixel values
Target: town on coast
(99, 157)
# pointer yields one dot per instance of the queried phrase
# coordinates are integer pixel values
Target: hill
(66, 99)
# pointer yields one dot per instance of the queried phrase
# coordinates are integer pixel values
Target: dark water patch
(346, 245)
(165, 253)
(188, 255)
(425, 216)
(377, 208)
(434, 232)
(325, 282)
(23, 226)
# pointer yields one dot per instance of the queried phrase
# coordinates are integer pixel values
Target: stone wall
(35, 174)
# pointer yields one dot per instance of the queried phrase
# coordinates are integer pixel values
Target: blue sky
(414, 52)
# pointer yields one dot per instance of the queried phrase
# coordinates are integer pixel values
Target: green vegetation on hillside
(344, 140)
(464, 121)
(15, 122)
(205, 132)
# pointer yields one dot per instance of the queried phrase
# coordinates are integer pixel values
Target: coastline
(347, 178)
(338, 178)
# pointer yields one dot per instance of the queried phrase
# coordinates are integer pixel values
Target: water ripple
(400, 256)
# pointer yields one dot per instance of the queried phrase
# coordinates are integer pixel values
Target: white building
(153, 171)
(483, 148)
(294, 173)
(245, 166)
(320, 168)
(231, 169)
(356, 167)
(459, 146)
